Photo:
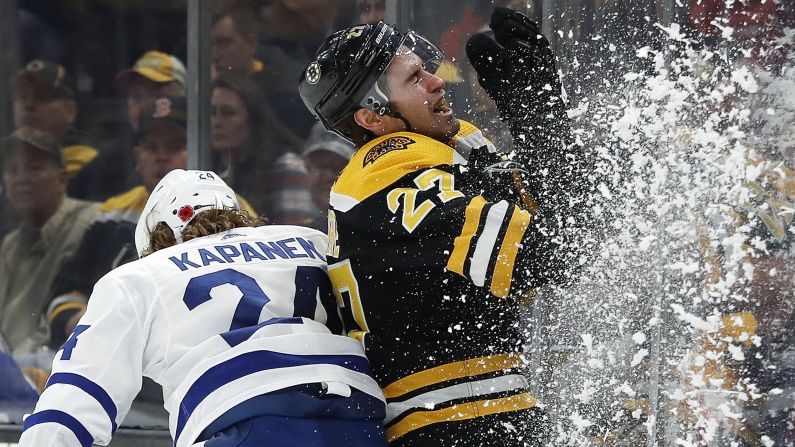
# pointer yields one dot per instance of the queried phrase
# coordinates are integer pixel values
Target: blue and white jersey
(216, 321)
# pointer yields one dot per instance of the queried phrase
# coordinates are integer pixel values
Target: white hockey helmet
(178, 198)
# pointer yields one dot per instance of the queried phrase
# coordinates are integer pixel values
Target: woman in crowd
(253, 157)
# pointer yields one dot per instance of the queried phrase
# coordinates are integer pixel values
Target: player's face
(324, 167)
(229, 120)
(161, 150)
(143, 92)
(35, 185)
(419, 97)
(231, 51)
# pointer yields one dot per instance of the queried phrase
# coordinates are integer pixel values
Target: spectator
(249, 159)
(234, 38)
(292, 31)
(325, 155)
(154, 74)
(51, 226)
(770, 292)
(161, 146)
(44, 98)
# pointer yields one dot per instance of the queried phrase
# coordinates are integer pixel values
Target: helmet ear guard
(376, 100)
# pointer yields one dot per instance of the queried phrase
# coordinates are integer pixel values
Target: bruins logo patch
(386, 146)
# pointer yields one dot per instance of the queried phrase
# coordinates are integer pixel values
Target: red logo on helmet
(186, 213)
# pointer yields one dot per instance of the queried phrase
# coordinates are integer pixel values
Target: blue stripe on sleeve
(93, 390)
(250, 363)
(59, 417)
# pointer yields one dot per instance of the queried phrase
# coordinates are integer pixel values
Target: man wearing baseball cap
(325, 155)
(160, 147)
(155, 74)
(44, 98)
(51, 226)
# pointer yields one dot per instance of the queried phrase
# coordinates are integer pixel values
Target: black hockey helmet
(345, 74)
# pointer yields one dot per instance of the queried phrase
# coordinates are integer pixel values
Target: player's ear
(369, 120)
(378, 124)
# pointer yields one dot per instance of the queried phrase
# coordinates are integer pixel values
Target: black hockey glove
(515, 66)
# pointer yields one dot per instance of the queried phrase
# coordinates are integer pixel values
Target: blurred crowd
(72, 196)
(96, 128)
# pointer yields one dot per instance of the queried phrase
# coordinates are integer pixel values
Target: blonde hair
(204, 224)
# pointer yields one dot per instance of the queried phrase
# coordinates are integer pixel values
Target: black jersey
(427, 258)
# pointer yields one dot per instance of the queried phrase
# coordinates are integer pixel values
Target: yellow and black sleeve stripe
(487, 248)
(457, 391)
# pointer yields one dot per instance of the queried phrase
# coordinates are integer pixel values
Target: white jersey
(215, 321)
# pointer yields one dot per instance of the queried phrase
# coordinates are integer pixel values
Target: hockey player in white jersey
(231, 319)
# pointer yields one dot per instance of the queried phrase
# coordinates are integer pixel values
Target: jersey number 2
(308, 279)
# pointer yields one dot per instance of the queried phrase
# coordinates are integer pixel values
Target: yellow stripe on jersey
(64, 307)
(383, 161)
(358, 335)
(464, 240)
(452, 371)
(503, 268)
(460, 412)
(76, 156)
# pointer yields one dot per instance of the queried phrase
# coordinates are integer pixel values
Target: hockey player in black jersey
(435, 235)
